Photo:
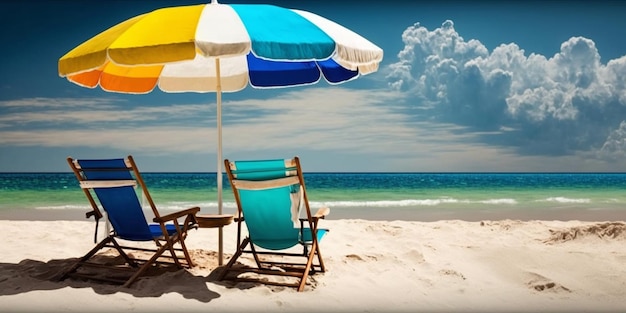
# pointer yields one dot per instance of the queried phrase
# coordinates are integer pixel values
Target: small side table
(216, 221)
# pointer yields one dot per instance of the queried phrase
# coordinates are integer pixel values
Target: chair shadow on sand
(31, 275)
(34, 275)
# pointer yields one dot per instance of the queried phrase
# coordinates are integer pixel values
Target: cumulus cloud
(563, 104)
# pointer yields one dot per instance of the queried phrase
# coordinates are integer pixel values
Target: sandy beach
(373, 266)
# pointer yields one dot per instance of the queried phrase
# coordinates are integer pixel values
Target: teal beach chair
(270, 195)
(112, 182)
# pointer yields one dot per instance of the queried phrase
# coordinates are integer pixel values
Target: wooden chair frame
(265, 266)
(165, 243)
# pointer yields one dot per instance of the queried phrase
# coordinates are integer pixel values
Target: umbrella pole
(219, 158)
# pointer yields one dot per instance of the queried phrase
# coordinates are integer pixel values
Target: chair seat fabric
(279, 244)
(308, 237)
(155, 230)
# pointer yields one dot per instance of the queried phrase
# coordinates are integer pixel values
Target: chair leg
(232, 260)
(319, 258)
(185, 252)
(148, 264)
(179, 237)
(259, 264)
(170, 244)
(119, 249)
(307, 268)
(310, 253)
(86, 257)
(316, 249)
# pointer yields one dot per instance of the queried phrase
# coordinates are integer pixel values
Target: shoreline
(380, 214)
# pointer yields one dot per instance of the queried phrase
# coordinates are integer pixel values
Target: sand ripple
(608, 230)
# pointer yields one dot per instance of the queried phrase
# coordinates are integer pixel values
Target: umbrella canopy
(219, 48)
(175, 49)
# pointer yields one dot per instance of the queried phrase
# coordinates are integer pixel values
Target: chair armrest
(175, 215)
(322, 212)
(94, 212)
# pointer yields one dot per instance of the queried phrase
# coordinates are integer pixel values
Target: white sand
(447, 266)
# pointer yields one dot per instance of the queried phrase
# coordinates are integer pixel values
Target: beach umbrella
(219, 48)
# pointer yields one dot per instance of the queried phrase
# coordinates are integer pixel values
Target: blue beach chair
(113, 183)
(269, 196)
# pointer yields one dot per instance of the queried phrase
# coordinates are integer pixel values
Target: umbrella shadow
(33, 275)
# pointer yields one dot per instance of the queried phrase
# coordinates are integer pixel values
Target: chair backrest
(269, 194)
(114, 185)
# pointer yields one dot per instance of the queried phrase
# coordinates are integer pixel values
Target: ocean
(373, 196)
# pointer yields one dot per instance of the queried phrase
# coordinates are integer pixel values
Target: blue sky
(464, 86)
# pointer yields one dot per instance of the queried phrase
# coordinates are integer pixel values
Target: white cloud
(332, 128)
(560, 105)
(87, 112)
(615, 145)
(315, 118)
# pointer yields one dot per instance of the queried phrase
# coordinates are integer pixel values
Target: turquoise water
(358, 195)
